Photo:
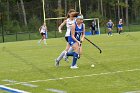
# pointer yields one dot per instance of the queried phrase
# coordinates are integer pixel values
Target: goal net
(92, 24)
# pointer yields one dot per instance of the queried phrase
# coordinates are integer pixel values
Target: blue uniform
(119, 25)
(110, 25)
(78, 32)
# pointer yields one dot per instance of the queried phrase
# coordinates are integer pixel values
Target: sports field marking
(23, 83)
(10, 81)
(133, 92)
(11, 90)
(29, 85)
(72, 77)
(56, 90)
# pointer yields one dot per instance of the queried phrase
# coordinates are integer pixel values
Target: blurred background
(21, 19)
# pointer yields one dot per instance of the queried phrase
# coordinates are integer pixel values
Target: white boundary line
(56, 90)
(133, 92)
(72, 77)
(11, 90)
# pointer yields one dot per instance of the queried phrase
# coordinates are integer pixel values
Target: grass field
(26, 66)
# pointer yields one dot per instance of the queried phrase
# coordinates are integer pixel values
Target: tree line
(23, 15)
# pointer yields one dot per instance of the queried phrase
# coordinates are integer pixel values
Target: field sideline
(27, 66)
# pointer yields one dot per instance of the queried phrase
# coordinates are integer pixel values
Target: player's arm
(40, 28)
(46, 29)
(73, 33)
(113, 25)
(83, 34)
(60, 27)
(122, 23)
(107, 24)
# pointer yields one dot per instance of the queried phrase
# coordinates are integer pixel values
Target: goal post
(80, 6)
(43, 8)
(55, 18)
(53, 23)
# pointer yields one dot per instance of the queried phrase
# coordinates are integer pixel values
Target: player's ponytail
(71, 10)
(75, 14)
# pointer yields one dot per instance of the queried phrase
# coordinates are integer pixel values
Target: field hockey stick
(79, 49)
(94, 44)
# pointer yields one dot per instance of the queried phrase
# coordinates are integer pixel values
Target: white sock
(61, 55)
(39, 41)
(45, 41)
(70, 50)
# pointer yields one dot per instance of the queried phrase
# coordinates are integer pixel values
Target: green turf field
(26, 66)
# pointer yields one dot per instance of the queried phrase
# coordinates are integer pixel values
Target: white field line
(23, 83)
(72, 77)
(133, 92)
(56, 90)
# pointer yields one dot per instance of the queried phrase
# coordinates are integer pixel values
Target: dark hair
(76, 14)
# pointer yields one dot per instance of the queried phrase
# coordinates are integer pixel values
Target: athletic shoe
(56, 62)
(74, 67)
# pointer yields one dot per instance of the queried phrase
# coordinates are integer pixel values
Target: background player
(43, 31)
(120, 28)
(110, 26)
(93, 27)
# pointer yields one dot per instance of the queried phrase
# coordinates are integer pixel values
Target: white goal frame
(44, 16)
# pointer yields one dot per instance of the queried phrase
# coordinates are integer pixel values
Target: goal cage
(54, 23)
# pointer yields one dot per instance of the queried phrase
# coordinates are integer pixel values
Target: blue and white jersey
(110, 24)
(78, 33)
